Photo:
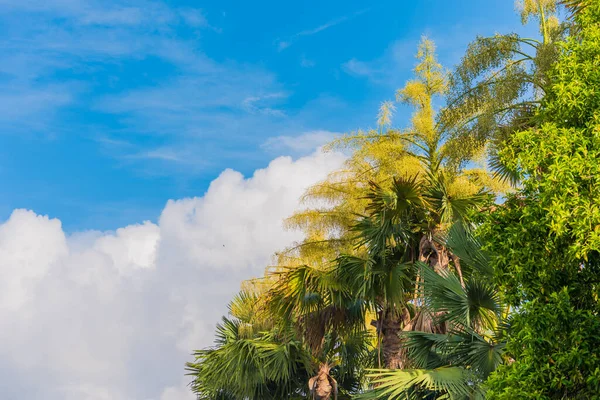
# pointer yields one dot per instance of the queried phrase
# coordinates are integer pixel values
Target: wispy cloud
(302, 144)
(191, 109)
(306, 62)
(283, 44)
(162, 154)
(262, 104)
(215, 111)
(74, 38)
(385, 70)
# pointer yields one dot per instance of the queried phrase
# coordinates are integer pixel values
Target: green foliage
(554, 344)
(546, 237)
(498, 85)
(474, 304)
(320, 305)
(417, 384)
(251, 359)
(387, 237)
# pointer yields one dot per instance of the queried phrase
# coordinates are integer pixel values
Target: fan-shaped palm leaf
(448, 207)
(418, 384)
(474, 305)
(269, 365)
(466, 247)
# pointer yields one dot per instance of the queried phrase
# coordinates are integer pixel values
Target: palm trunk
(389, 327)
(322, 386)
(434, 254)
(391, 342)
(437, 256)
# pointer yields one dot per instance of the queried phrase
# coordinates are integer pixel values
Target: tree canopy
(420, 274)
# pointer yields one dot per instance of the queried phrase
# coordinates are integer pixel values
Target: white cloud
(95, 316)
(304, 143)
(284, 44)
(181, 392)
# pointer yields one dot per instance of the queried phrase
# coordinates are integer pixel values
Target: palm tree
(405, 220)
(328, 321)
(253, 358)
(497, 87)
(453, 364)
(309, 336)
(403, 228)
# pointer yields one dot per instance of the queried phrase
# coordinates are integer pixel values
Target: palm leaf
(475, 305)
(467, 248)
(448, 207)
(460, 348)
(268, 365)
(501, 171)
(392, 216)
(574, 7)
(481, 355)
(440, 383)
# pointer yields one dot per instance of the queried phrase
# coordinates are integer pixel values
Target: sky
(149, 151)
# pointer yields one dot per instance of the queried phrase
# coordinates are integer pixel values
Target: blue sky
(111, 108)
(119, 112)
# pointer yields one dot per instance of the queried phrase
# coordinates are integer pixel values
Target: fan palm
(405, 220)
(253, 358)
(328, 320)
(403, 227)
(452, 364)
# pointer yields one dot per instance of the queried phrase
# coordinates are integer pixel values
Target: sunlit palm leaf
(501, 171)
(449, 207)
(393, 215)
(442, 383)
(267, 365)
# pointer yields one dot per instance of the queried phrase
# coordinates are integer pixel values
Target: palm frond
(460, 348)
(373, 279)
(482, 355)
(316, 301)
(405, 193)
(268, 365)
(439, 383)
(448, 207)
(466, 247)
(475, 305)
(574, 7)
(502, 171)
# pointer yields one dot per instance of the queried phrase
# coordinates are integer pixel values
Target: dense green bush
(546, 236)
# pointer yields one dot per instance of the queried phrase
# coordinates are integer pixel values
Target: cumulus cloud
(115, 315)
